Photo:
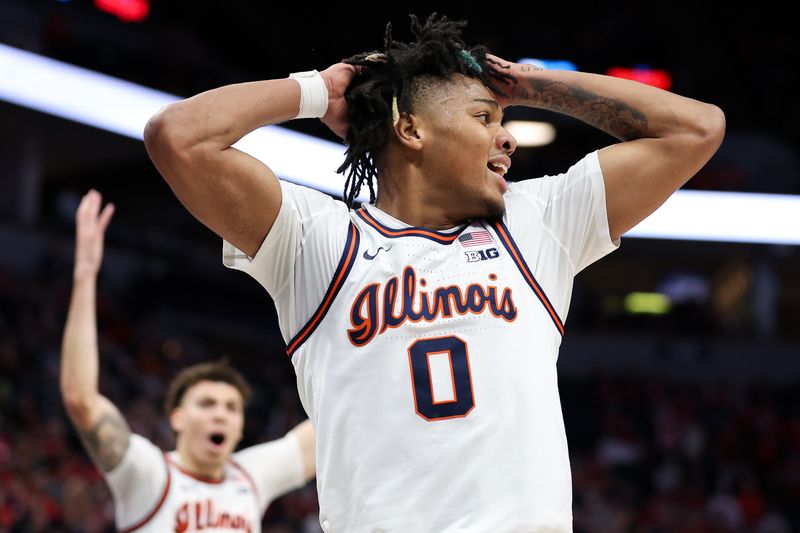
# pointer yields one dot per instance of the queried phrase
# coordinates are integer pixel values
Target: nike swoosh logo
(373, 256)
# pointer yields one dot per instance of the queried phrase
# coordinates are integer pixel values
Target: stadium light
(118, 106)
(647, 303)
(549, 64)
(530, 133)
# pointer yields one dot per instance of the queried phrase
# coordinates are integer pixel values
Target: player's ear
(177, 419)
(410, 130)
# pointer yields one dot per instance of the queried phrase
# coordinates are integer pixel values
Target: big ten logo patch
(474, 256)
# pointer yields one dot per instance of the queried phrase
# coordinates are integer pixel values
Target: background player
(202, 485)
(430, 377)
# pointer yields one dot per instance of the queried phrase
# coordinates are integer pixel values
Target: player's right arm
(102, 429)
(234, 194)
(307, 441)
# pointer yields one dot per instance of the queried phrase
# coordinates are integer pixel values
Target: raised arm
(307, 437)
(232, 193)
(667, 137)
(103, 430)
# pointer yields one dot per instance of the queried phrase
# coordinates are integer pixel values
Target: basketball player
(424, 327)
(202, 485)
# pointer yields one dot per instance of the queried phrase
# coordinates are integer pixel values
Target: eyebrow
(487, 101)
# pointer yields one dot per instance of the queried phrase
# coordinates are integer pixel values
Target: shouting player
(424, 327)
(201, 485)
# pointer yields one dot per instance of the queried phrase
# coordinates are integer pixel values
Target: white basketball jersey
(192, 503)
(153, 493)
(429, 366)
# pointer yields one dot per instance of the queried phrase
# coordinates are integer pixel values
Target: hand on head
(338, 78)
(90, 227)
(503, 75)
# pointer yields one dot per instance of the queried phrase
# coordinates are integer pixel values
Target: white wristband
(313, 94)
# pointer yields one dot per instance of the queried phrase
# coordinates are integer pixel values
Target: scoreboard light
(643, 74)
(125, 10)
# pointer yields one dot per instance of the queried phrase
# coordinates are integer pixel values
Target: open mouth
(498, 168)
(217, 438)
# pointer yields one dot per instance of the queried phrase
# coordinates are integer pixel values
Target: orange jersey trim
(339, 276)
(441, 238)
(161, 501)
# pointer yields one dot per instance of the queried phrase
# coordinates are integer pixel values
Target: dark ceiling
(742, 60)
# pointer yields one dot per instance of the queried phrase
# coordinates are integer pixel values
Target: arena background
(684, 418)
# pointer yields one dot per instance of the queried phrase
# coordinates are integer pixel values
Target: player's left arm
(307, 439)
(102, 428)
(666, 138)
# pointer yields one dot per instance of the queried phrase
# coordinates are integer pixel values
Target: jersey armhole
(339, 276)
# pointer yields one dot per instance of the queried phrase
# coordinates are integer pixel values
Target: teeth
(500, 168)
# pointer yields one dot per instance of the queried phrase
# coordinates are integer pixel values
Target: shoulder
(306, 200)
(543, 187)
(141, 450)
(141, 456)
(275, 467)
(580, 181)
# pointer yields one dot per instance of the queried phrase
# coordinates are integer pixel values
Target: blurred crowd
(654, 456)
(647, 455)
(47, 483)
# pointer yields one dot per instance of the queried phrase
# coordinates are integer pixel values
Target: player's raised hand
(90, 228)
(508, 76)
(338, 78)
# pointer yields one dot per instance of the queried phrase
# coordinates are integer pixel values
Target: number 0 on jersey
(438, 396)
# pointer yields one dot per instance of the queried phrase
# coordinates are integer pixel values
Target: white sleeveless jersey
(192, 503)
(429, 363)
(153, 493)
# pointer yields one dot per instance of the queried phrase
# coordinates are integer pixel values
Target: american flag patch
(476, 238)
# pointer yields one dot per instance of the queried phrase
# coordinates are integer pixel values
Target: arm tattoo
(107, 440)
(612, 116)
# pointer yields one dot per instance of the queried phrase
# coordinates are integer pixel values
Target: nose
(219, 413)
(505, 141)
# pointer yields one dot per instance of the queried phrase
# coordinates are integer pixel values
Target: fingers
(105, 216)
(90, 204)
(497, 60)
(89, 208)
(498, 68)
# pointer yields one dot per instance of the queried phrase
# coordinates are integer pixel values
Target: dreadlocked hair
(438, 52)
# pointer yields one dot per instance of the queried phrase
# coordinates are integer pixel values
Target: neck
(213, 471)
(407, 196)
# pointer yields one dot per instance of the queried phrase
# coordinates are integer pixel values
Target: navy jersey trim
(516, 255)
(435, 236)
(161, 501)
(339, 276)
